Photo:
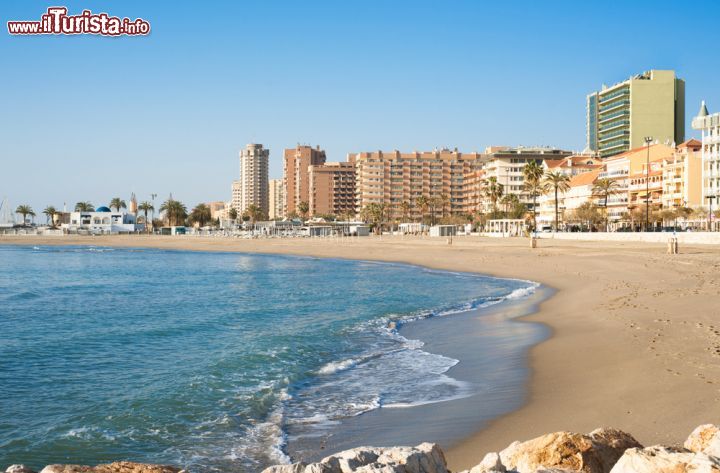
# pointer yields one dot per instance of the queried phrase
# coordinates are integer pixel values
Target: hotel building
(506, 165)
(621, 116)
(254, 188)
(296, 176)
(709, 125)
(392, 178)
(277, 199)
(332, 189)
(628, 169)
(682, 176)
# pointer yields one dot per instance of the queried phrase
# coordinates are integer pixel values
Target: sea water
(212, 361)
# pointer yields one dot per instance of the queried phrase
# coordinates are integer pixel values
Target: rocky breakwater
(115, 467)
(600, 451)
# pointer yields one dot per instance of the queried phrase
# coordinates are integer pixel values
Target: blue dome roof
(102, 209)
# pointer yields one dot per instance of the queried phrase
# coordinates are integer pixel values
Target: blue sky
(89, 118)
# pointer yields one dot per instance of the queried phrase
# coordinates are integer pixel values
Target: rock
(292, 468)
(349, 460)
(596, 452)
(18, 469)
(490, 463)
(425, 458)
(705, 439)
(115, 467)
(660, 459)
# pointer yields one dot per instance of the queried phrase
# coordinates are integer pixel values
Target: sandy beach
(636, 339)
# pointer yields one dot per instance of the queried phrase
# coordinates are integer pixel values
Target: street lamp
(152, 222)
(648, 140)
(710, 214)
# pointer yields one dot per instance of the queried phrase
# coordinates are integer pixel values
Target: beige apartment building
(254, 187)
(506, 165)
(682, 176)
(296, 175)
(236, 196)
(332, 189)
(392, 178)
(651, 104)
(276, 199)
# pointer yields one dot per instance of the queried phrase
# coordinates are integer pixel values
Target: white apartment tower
(710, 128)
(253, 184)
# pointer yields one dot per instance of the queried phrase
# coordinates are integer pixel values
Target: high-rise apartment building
(296, 177)
(332, 189)
(398, 179)
(236, 199)
(710, 128)
(254, 187)
(651, 104)
(277, 199)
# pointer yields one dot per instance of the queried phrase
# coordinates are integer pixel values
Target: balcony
(607, 118)
(608, 97)
(613, 106)
(614, 134)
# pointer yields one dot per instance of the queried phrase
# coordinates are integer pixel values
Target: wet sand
(635, 339)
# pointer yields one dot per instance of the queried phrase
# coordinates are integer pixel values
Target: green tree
(494, 191)
(233, 214)
(25, 210)
(304, 208)
(405, 208)
(50, 213)
(256, 213)
(84, 207)
(200, 214)
(375, 214)
(422, 203)
(118, 204)
(175, 211)
(605, 188)
(556, 182)
(533, 173)
(146, 207)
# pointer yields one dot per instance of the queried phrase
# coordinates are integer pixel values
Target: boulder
(349, 460)
(660, 459)
(490, 463)
(115, 467)
(18, 469)
(596, 452)
(291, 468)
(704, 439)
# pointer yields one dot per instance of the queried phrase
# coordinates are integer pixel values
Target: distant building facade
(332, 189)
(398, 180)
(102, 220)
(277, 199)
(682, 176)
(296, 176)
(254, 185)
(651, 104)
(709, 125)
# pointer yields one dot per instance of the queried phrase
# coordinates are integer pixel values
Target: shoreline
(621, 331)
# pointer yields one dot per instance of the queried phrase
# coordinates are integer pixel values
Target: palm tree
(84, 207)
(25, 210)
(175, 211)
(422, 203)
(533, 173)
(303, 208)
(146, 207)
(118, 203)
(375, 214)
(443, 203)
(493, 190)
(405, 207)
(50, 212)
(557, 182)
(256, 213)
(232, 214)
(201, 214)
(605, 188)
